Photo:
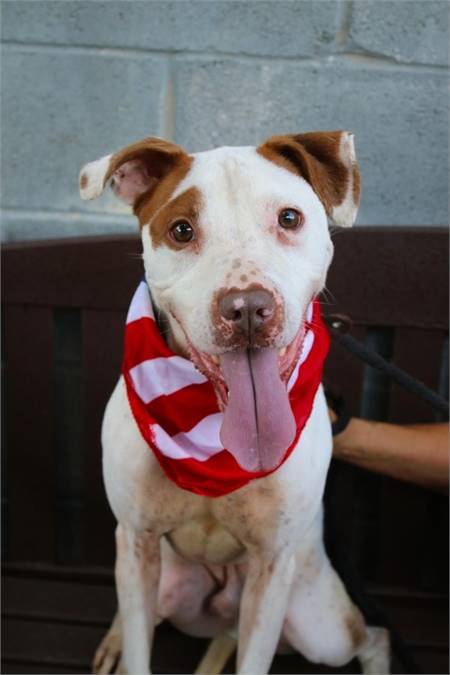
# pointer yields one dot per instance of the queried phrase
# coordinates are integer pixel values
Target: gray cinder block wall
(83, 78)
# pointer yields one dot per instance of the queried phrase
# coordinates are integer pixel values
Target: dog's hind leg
(322, 623)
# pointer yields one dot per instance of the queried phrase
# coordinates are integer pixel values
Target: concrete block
(412, 31)
(281, 28)
(63, 108)
(398, 116)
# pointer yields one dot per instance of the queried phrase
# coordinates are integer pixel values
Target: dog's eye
(290, 219)
(182, 232)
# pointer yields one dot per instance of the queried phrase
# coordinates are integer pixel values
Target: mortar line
(344, 15)
(374, 58)
(169, 101)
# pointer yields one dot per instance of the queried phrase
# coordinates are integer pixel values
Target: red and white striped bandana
(176, 409)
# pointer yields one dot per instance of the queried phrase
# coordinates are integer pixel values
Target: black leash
(338, 326)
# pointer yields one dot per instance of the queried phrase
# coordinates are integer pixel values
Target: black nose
(248, 310)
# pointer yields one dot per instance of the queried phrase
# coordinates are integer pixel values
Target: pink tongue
(258, 424)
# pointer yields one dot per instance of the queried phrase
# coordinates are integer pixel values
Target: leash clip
(339, 323)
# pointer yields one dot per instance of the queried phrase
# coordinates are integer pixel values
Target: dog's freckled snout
(247, 310)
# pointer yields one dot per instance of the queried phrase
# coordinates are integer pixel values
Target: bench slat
(96, 272)
(102, 354)
(50, 643)
(345, 373)
(404, 518)
(419, 352)
(388, 277)
(30, 438)
(56, 600)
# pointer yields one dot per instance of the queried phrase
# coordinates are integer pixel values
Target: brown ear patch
(356, 188)
(327, 161)
(151, 201)
(83, 181)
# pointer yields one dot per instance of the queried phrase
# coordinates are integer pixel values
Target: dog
(236, 249)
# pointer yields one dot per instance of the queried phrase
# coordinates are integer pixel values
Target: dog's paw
(107, 656)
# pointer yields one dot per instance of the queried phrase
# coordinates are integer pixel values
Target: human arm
(416, 453)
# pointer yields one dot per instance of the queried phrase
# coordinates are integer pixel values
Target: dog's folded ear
(133, 170)
(327, 160)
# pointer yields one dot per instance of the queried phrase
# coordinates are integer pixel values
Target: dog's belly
(206, 540)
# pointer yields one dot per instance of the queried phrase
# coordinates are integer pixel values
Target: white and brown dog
(235, 247)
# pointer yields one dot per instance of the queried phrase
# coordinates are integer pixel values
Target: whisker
(334, 230)
(328, 294)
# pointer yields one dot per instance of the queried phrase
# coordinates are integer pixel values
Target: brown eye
(182, 232)
(290, 219)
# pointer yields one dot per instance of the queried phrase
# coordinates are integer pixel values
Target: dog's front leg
(137, 579)
(263, 608)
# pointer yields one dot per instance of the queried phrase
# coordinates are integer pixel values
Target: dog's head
(236, 245)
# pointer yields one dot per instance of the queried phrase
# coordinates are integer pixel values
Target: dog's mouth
(251, 386)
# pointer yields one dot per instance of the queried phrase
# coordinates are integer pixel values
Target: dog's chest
(204, 539)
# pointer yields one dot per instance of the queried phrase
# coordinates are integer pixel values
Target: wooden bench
(63, 311)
